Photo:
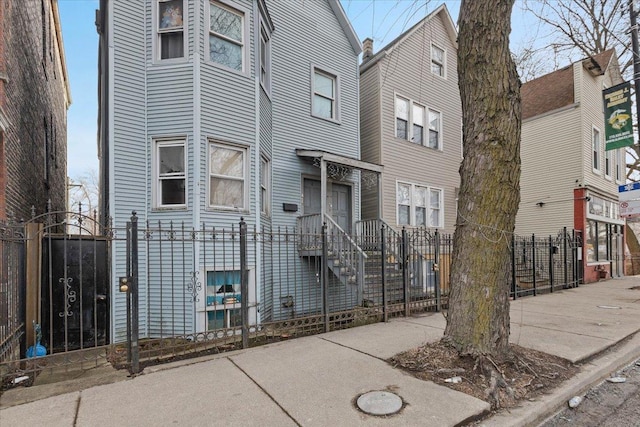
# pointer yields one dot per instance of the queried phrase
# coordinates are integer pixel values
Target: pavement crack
(265, 392)
(354, 349)
(75, 416)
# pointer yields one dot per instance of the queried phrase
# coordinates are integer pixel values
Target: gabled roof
(448, 24)
(556, 89)
(346, 26)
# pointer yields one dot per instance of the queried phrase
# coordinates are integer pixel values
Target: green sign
(617, 116)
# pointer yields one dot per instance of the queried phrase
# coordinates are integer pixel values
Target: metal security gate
(75, 292)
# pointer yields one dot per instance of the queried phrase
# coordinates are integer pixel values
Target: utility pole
(636, 61)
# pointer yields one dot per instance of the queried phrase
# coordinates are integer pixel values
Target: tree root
(499, 393)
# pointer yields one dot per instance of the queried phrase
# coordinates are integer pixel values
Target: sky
(382, 20)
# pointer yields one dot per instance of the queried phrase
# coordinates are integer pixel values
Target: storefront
(603, 237)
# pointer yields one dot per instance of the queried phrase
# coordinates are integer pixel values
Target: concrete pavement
(314, 381)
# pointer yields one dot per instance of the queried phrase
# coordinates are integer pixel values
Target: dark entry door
(341, 206)
(75, 293)
(338, 203)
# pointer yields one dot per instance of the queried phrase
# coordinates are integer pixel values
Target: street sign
(630, 209)
(629, 191)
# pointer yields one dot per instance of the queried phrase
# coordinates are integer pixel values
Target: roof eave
(346, 26)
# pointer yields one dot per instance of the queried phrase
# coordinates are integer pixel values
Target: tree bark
(478, 318)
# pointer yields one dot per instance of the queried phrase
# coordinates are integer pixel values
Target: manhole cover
(379, 403)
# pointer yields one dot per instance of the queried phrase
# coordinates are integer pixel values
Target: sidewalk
(314, 381)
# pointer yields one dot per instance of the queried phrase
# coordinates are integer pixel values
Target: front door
(341, 206)
(338, 203)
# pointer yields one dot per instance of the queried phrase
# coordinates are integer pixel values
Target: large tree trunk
(478, 319)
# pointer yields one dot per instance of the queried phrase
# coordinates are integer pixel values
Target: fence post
(574, 259)
(405, 271)
(244, 284)
(514, 288)
(325, 278)
(436, 272)
(128, 293)
(564, 255)
(551, 263)
(383, 251)
(533, 261)
(135, 350)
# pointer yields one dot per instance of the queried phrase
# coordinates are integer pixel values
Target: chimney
(367, 49)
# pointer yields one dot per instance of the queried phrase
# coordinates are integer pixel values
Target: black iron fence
(12, 314)
(183, 289)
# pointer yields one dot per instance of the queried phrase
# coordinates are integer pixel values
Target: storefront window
(602, 241)
(591, 241)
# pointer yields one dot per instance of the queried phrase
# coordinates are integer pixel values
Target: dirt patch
(527, 373)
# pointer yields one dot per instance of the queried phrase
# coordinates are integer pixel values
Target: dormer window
(170, 30)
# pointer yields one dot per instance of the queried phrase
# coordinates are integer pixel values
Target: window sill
(337, 122)
(596, 172)
(170, 63)
(222, 209)
(169, 208)
(415, 144)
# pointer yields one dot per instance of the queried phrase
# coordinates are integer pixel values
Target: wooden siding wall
(593, 115)
(551, 167)
(303, 31)
(199, 101)
(370, 133)
(406, 71)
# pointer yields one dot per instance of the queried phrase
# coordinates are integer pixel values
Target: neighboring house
(568, 179)
(34, 98)
(213, 110)
(411, 122)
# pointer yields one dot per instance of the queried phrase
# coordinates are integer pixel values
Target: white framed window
(402, 118)
(435, 124)
(265, 59)
(170, 173)
(608, 163)
(265, 185)
(595, 149)
(417, 130)
(227, 176)
(438, 56)
(325, 88)
(411, 118)
(418, 205)
(226, 36)
(170, 29)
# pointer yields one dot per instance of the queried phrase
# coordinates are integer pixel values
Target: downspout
(256, 169)
(197, 179)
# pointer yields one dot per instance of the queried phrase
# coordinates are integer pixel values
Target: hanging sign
(617, 116)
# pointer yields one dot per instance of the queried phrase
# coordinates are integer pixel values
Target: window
(419, 205)
(434, 129)
(417, 134)
(170, 29)
(265, 186)
(607, 163)
(402, 118)
(324, 95)
(596, 149)
(227, 170)
(410, 112)
(223, 299)
(170, 174)
(265, 59)
(437, 61)
(226, 36)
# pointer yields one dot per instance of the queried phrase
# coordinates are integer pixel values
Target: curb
(595, 370)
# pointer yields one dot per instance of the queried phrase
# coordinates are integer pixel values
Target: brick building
(34, 98)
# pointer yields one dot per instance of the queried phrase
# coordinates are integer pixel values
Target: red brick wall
(33, 100)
